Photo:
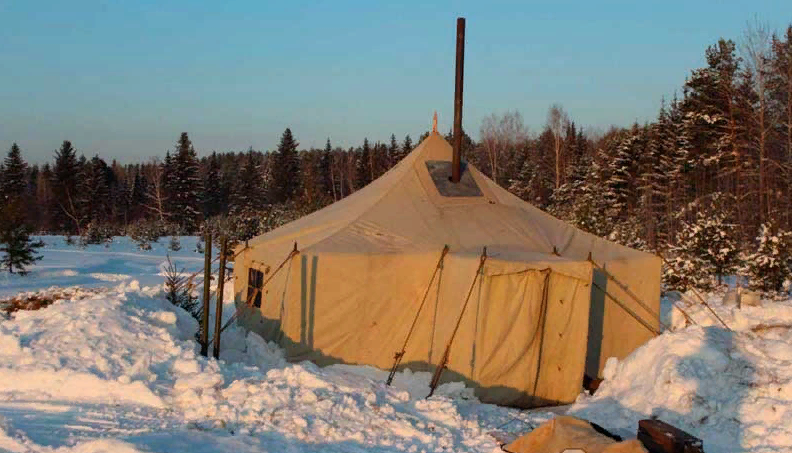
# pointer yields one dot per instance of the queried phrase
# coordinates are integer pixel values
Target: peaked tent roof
(403, 211)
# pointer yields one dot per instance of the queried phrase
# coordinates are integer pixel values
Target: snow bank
(128, 358)
(116, 368)
(731, 388)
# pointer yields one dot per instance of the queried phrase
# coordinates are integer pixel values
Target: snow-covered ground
(114, 367)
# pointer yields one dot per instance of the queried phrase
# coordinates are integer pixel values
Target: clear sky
(124, 78)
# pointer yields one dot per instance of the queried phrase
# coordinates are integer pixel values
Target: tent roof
(404, 211)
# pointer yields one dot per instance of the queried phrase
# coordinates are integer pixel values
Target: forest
(707, 184)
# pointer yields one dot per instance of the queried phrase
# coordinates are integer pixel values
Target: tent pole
(456, 163)
(444, 361)
(219, 295)
(207, 281)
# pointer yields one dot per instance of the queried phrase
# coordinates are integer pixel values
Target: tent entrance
(530, 342)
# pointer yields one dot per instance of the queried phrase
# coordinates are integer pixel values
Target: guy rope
(701, 299)
(252, 296)
(397, 357)
(632, 295)
(444, 361)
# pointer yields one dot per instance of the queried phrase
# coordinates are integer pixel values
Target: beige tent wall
(638, 271)
(365, 262)
(317, 311)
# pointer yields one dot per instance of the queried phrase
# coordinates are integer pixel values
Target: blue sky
(124, 78)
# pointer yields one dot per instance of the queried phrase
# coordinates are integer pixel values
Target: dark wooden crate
(660, 437)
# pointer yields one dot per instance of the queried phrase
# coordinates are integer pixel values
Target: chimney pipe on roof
(456, 162)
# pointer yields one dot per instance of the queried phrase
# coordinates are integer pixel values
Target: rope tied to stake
(399, 354)
(444, 361)
(256, 291)
(701, 299)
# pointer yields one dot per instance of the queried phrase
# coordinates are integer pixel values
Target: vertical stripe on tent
(596, 323)
(434, 316)
(476, 328)
(303, 298)
(281, 334)
(312, 302)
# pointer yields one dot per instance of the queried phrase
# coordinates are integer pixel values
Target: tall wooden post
(456, 162)
(219, 297)
(206, 294)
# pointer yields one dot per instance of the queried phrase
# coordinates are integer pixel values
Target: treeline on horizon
(717, 160)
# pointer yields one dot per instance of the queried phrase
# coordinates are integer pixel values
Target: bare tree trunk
(557, 121)
(156, 193)
(757, 48)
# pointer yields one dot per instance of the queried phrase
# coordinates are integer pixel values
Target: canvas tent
(537, 317)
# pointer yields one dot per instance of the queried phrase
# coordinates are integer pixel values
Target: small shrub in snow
(770, 266)
(174, 244)
(17, 249)
(705, 247)
(97, 233)
(179, 290)
(147, 231)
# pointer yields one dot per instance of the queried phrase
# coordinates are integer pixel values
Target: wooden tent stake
(625, 289)
(629, 312)
(219, 295)
(701, 299)
(207, 281)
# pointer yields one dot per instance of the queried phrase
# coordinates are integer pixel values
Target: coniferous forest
(707, 184)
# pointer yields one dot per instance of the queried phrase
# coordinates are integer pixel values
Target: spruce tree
(706, 247)
(325, 169)
(286, 170)
(17, 249)
(64, 189)
(406, 147)
(184, 186)
(623, 170)
(769, 268)
(94, 191)
(247, 196)
(394, 153)
(363, 167)
(15, 180)
(212, 196)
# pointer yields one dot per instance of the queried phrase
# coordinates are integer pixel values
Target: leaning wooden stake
(701, 299)
(207, 291)
(397, 357)
(219, 296)
(630, 312)
(626, 289)
(444, 361)
(251, 299)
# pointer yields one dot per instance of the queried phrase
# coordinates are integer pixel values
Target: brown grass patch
(38, 301)
(765, 327)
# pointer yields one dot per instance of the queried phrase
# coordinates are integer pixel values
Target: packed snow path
(117, 369)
